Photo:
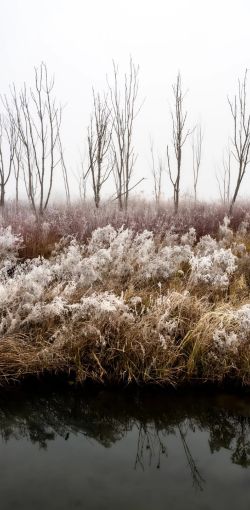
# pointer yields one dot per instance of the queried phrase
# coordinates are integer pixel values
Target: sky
(207, 41)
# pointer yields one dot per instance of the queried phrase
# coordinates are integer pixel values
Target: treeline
(31, 145)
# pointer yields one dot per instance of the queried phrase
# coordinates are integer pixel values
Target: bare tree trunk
(17, 164)
(99, 142)
(157, 175)
(2, 195)
(197, 140)
(64, 172)
(224, 180)
(123, 110)
(37, 119)
(179, 137)
(241, 134)
(7, 151)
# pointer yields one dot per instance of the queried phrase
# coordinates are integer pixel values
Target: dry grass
(115, 348)
(81, 219)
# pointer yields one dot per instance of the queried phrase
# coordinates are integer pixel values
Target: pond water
(105, 450)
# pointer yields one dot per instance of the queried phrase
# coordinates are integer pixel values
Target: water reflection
(107, 417)
(102, 449)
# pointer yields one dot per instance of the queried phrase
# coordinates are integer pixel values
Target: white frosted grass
(41, 289)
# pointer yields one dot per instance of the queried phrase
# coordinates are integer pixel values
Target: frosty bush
(166, 262)
(123, 254)
(211, 264)
(225, 232)
(189, 237)
(225, 340)
(101, 238)
(234, 329)
(56, 287)
(9, 245)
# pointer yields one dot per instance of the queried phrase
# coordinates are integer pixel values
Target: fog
(208, 42)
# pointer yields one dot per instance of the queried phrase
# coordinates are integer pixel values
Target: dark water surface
(124, 450)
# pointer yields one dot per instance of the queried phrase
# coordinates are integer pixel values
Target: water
(110, 450)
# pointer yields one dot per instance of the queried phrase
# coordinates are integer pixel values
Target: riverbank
(128, 307)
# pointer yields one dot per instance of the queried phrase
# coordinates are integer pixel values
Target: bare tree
(197, 140)
(157, 171)
(124, 112)
(241, 134)
(64, 170)
(17, 167)
(179, 137)
(38, 119)
(99, 141)
(7, 152)
(224, 179)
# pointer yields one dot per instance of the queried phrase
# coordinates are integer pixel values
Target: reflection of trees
(231, 432)
(196, 475)
(197, 479)
(151, 444)
(107, 416)
(41, 418)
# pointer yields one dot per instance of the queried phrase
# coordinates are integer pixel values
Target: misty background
(208, 42)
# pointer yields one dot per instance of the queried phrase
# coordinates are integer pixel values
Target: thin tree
(124, 111)
(37, 117)
(157, 171)
(17, 167)
(99, 142)
(197, 139)
(8, 142)
(240, 141)
(64, 171)
(179, 137)
(224, 179)
(82, 181)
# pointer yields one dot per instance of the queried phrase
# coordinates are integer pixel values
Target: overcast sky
(208, 41)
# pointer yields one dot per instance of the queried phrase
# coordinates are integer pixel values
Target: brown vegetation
(170, 332)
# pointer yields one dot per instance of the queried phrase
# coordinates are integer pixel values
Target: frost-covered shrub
(225, 232)
(101, 238)
(207, 245)
(143, 248)
(171, 238)
(225, 340)
(122, 254)
(243, 227)
(18, 295)
(96, 304)
(243, 317)
(213, 268)
(234, 329)
(74, 265)
(119, 252)
(55, 287)
(176, 313)
(9, 245)
(189, 237)
(68, 262)
(166, 262)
